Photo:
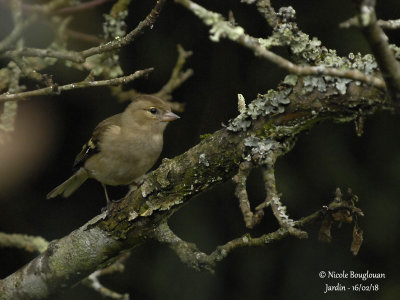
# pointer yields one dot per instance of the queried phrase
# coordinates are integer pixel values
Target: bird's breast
(121, 161)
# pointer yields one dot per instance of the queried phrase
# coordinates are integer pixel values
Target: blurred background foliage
(51, 130)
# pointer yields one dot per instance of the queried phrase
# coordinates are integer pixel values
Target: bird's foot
(110, 204)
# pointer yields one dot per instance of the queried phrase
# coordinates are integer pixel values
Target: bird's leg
(107, 198)
(105, 192)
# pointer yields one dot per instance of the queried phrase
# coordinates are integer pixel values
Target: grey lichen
(147, 188)
(270, 103)
(241, 103)
(312, 82)
(284, 218)
(260, 149)
(104, 63)
(287, 34)
(286, 13)
(225, 29)
(219, 27)
(396, 51)
(115, 28)
(291, 79)
(365, 64)
(203, 160)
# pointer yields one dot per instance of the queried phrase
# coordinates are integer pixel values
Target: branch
(178, 76)
(10, 108)
(250, 219)
(200, 261)
(389, 24)
(55, 90)
(385, 24)
(22, 241)
(94, 283)
(131, 36)
(378, 41)
(79, 57)
(132, 221)
(222, 28)
(80, 7)
(266, 10)
(65, 55)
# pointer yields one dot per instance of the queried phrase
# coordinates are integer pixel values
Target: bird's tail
(70, 185)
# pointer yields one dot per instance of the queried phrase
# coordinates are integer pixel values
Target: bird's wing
(92, 146)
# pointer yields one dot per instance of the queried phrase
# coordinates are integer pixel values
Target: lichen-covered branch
(379, 43)
(385, 24)
(65, 55)
(266, 10)
(23, 241)
(222, 28)
(278, 115)
(88, 60)
(131, 36)
(94, 283)
(194, 258)
(276, 205)
(10, 108)
(55, 90)
(250, 219)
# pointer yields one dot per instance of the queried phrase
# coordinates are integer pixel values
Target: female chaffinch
(122, 148)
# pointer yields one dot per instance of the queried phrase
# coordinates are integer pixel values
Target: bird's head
(149, 111)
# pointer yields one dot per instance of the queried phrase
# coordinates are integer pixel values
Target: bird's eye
(153, 110)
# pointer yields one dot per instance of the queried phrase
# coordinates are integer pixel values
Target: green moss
(204, 136)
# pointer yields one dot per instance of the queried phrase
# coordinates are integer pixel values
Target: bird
(122, 148)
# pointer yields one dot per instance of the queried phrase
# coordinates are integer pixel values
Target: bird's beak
(169, 116)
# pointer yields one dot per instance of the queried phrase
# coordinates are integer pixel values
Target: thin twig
(178, 77)
(265, 8)
(80, 7)
(131, 36)
(241, 193)
(54, 89)
(66, 55)
(93, 280)
(83, 36)
(378, 41)
(46, 8)
(385, 24)
(389, 24)
(80, 57)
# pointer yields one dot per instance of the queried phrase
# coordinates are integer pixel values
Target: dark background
(51, 131)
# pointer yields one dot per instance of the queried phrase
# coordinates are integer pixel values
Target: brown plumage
(123, 147)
